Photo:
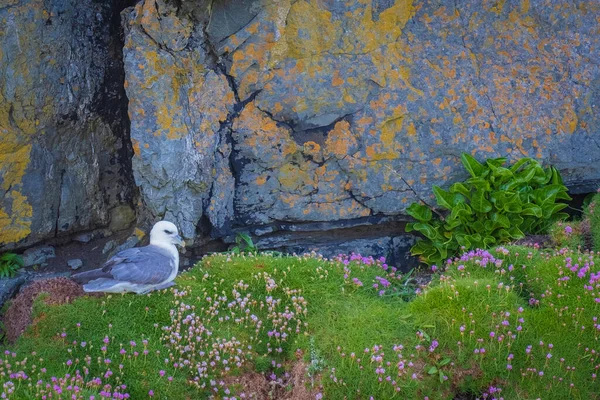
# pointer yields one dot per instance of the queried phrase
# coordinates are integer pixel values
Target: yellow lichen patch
(139, 233)
(312, 150)
(294, 179)
(498, 6)
(263, 136)
(310, 30)
(411, 131)
(569, 122)
(136, 147)
(336, 80)
(16, 224)
(307, 29)
(167, 126)
(340, 140)
(15, 211)
(261, 180)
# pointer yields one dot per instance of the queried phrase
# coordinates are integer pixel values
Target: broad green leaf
(480, 183)
(500, 172)
(419, 212)
(489, 241)
(421, 247)
(447, 199)
(445, 361)
(515, 167)
(507, 201)
(478, 226)
(496, 162)
(461, 212)
(479, 203)
(474, 167)
(459, 187)
(556, 178)
(442, 250)
(516, 233)
(520, 179)
(550, 209)
(475, 240)
(549, 191)
(432, 370)
(531, 209)
(500, 220)
(427, 230)
(451, 224)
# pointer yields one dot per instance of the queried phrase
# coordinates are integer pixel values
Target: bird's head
(165, 233)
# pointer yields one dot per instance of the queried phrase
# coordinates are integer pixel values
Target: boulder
(75, 263)
(37, 255)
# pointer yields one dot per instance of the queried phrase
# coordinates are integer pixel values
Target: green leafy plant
(10, 264)
(438, 368)
(243, 243)
(497, 204)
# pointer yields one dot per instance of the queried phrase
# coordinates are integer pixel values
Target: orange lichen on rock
(340, 140)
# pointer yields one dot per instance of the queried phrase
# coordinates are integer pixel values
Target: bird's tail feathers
(103, 285)
(85, 277)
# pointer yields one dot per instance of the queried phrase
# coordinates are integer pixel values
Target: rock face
(270, 114)
(63, 124)
(309, 123)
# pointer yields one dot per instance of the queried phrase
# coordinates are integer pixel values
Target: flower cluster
(208, 357)
(381, 284)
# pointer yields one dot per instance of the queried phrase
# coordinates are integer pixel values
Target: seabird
(140, 269)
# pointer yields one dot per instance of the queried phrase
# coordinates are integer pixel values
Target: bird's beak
(179, 241)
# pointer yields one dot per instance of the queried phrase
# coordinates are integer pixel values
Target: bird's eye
(168, 232)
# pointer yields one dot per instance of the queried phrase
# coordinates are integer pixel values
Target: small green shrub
(10, 264)
(495, 205)
(243, 243)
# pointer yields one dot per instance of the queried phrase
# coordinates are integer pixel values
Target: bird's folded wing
(144, 265)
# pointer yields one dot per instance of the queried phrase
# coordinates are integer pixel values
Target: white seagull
(140, 269)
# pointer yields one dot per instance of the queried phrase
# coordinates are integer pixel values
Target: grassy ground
(516, 323)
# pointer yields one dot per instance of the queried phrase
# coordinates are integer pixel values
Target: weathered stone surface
(263, 113)
(176, 106)
(83, 238)
(109, 246)
(75, 263)
(63, 147)
(10, 286)
(37, 255)
(131, 242)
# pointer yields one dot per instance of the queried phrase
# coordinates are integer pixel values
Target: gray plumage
(138, 270)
